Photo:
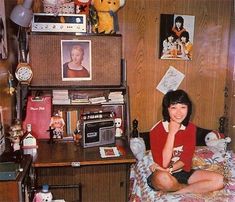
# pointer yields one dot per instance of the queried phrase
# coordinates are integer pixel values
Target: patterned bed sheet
(141, 192)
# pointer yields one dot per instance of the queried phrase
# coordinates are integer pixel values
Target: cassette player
(47, 22)
(96, 132)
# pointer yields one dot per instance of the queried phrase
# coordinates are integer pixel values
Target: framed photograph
(3, 33)
(176, 36)
(76, 60)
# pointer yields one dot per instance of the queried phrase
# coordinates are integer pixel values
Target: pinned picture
(3, 33)
(76, 60)
(171, 80)
(176, 36)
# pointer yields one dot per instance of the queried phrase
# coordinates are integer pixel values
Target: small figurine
(57, 125)
(77, 133)
(135, 132)
(16, 132)
(118, 123)
(11, 84)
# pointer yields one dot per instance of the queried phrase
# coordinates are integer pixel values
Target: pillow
(204, 155)
(205, 158)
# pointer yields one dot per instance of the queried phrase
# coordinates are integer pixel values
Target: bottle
(29, 142)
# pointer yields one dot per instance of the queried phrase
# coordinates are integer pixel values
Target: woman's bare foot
(160, 193)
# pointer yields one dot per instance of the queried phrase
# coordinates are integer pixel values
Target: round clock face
(24, 73)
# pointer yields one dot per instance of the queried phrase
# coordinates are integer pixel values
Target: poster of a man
(3, 34)
(76, 60)
(176, 36)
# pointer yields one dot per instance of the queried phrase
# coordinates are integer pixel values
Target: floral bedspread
(141, 192)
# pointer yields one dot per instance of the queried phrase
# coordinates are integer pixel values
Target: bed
(204, 158)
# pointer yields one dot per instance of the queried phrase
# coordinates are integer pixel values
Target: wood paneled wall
(204, 76)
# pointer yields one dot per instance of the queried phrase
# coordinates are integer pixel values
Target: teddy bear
(107, 15)
(217, 142)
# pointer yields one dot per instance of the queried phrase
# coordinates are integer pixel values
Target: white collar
(166, 124)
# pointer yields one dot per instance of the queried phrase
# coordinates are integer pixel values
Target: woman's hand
(174, 127)
(155, 167)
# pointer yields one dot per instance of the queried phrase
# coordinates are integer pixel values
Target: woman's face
(77, 56)
(178, 112)
(170, 38)
(183, 39)
(178, 24)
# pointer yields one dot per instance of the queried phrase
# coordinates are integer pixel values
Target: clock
(24, 73)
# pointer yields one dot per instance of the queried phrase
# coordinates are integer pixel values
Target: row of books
(64, 97)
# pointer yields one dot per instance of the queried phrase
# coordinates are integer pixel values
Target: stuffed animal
(82, 6)
(44, 195)
(107, 15)
(138, 147)
(217, 142)
(118, 123)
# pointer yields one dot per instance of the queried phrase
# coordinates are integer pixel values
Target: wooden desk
(96, 179)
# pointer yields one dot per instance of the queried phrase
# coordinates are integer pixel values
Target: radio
(98, 132)
(46, 22)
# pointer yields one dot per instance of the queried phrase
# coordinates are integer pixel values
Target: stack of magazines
(116, 98)
(60, 97)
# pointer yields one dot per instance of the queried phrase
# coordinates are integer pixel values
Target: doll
(118, 123)
(77, 133)
(57, 125)
(15, 133)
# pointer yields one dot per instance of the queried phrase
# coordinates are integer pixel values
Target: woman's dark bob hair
(176, 97)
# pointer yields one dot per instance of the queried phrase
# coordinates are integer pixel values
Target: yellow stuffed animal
(107, 15)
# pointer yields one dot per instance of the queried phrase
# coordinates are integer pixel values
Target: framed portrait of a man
(176, 36)
(3, 33)
(76, 60)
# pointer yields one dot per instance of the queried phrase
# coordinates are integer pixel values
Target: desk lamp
(22, 14)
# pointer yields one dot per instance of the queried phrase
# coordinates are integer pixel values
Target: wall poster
(176, 36)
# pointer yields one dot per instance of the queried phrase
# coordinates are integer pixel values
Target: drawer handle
(75, 164)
